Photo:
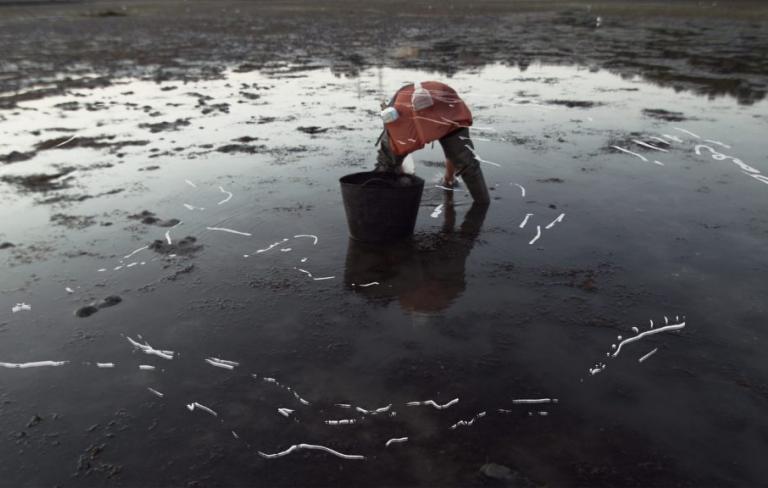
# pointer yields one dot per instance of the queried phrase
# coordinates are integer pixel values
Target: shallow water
(489, 307)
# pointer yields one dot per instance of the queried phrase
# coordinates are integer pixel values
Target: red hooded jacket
(415, 129)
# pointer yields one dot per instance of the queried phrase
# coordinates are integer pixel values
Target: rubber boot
(475, 182)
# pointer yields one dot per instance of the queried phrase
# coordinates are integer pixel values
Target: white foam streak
(522, 189)
(19, 307)
(687, 132)
(630, 152)
(151, 350)
(525, 220)
(308, 235)
(432, 403)
(105, 365)
(36, 364)
(647, 333)
(135, 251)
(190, 183)
(437, 211)
(650, 146)
(231, 231)
(228, 198)
(222, 363)
(323, 278)
(155, 392)
(297, 447)
(481, 159)
(534, 400)
(194, 405)
(285, 412)
(395, 440)
(538, 234)
(640, 360)
(558, 219)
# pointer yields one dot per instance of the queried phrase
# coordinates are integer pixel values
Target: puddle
(208, 213)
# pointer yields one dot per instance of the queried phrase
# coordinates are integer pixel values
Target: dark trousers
(455, 146)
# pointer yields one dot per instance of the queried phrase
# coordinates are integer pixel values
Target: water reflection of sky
(498, 318)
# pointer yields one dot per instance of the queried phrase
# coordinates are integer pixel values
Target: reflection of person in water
(425, 274)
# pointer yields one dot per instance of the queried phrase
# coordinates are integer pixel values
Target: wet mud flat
(181, 304)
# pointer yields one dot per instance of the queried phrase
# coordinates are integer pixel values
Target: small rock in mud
(661, 114)
(313, 129)
(36, 419)
(183, 247)
(149, 168)
(550, 180)
(86, 311)
(149, 218)
(165, 126)
(250, 96)
(217, 107)
(91, 309)
(6, 245)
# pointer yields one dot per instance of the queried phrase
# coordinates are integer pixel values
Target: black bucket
(381, 207)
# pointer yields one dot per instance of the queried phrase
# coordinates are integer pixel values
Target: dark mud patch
(75, 222)
(16, 157)
(100, 142)
(149, 218)
(7, 245)
(550, 180)
(241, 148)
(64, 198)
(313, 129)
(666, 115)
(165, 126)
(149, 168)
(246, 139)
(574, 103)
(40, 182)
(184, 247)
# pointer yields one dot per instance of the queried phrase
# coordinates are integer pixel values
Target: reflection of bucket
(381, 207)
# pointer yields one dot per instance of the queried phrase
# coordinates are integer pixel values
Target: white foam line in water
(635, 330)
(395, 440)
(286, 249)
(687, 132)
(298, 447)
(69, 290)
(525, 220)
(222, 363)
(116, 268)
(538, 234)
(718, 143)
(522, 189)
(366, 285)
(298, 397)
(131, 265)
(598, 368)
(657, 162)
(36, 364)
(135, 251)
(190, 183)
(271, 246)
(672, 138)
(192, 207)
(651, 320)
(151, 350)
(558, 219)
(374, 412)
(341, 422)
(105, 365)
(19, 307)
(481, 159)
(155, 392)
(541, 413)
(194, 405)
(64, 142)
(534, 400)
(467, 423)
(101, 270)
(344, 405)
(229, 196)
(432, 403)
(234, 434)
(437, 211)
(475, 138)
(285, 412)
(231, 231)
(630, 152)
(305, 272)
(146, 367)
(647, 333)
(322, 278)
(307, 235)
(640, 360)
(168, 234)
(650, 146)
